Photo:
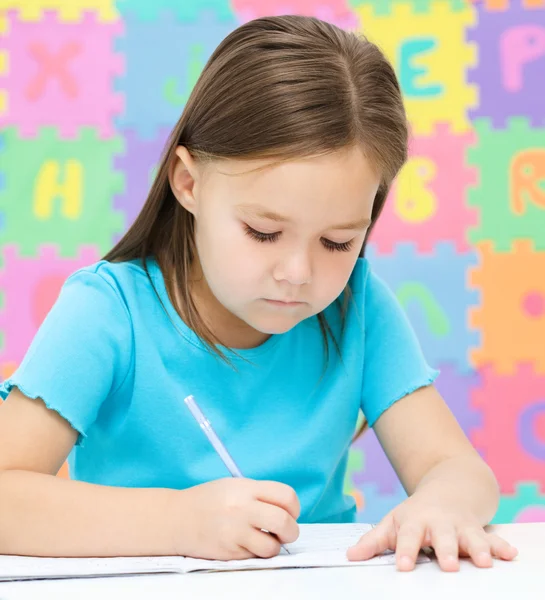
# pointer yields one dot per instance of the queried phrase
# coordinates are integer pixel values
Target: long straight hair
(277, 88)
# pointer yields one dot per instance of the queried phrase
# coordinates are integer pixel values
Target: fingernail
(405, 562)
(484, 556)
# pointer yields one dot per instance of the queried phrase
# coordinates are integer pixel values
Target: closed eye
(259, 236)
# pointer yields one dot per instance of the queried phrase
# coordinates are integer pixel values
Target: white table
(522, 578)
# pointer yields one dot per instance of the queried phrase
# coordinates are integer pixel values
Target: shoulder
(117, 279)
(104, 292)
(115, 274)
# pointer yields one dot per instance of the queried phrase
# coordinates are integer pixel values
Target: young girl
(243, 282)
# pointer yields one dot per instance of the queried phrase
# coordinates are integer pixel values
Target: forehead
(342, 181)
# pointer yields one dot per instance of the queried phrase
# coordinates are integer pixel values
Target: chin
(275, 328)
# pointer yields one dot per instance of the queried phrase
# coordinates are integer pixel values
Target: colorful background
(89, 90)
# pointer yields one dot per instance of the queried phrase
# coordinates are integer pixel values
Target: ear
(183, 176)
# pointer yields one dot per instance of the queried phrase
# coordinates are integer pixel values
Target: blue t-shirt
(117, 366)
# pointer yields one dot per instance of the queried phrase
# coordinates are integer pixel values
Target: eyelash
(272, 237)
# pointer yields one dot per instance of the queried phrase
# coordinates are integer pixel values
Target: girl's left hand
(416, 523)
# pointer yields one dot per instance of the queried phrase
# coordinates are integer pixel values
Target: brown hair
(278, 88)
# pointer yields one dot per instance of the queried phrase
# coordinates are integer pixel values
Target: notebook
(320, 545)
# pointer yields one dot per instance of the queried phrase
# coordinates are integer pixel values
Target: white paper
(322, 545)
(25, 567)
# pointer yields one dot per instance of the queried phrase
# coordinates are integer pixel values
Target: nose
(296, 268)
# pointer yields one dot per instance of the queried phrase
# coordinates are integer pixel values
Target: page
(320, 545)
(26, 567)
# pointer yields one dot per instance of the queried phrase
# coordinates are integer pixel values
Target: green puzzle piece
(60, 191)
(493, 156)
(527, 495)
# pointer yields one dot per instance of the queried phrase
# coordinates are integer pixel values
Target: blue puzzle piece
(183, 10)
(432, 289)
(164, 59)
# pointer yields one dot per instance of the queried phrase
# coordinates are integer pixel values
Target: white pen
(216, 443)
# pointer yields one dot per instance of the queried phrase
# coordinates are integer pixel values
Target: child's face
(306, 258)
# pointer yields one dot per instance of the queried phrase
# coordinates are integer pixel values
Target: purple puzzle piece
(141, 155)
(377, 467)
(511, 65)
(456, 387)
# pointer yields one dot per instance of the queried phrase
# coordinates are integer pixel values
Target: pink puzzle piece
(512, 439)
(337, 12)
(30, 287)
(61, 74)
(426, 204)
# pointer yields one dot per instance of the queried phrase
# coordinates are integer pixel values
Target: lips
(284, 302)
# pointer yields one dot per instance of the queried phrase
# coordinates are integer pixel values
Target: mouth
(283, 303)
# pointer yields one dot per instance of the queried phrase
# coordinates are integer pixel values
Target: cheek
(228, 255)
(335, 276)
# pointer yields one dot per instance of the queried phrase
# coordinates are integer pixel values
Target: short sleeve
(394, 364)
(81, 352)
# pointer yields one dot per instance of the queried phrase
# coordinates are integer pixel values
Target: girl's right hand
(223, 519)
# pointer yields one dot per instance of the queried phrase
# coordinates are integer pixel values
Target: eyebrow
(263, 213)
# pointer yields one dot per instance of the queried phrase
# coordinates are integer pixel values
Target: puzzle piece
(157, 89)
(3, 66)
(509, 196)
(30, 287)
(510, 317)
(337, 12)
(378, 469)
(424, 205)
(527, 505)
(456, 388)
(420, 46)
(182, 10)
(378, 505)
(511, 67)
(432, 289)
(512, 439)
(59, 191)
(138, 164)
(68, 11)
(61, 74)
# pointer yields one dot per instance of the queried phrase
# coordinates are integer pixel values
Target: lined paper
(321, 545)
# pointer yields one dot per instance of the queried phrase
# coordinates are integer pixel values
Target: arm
(431, 454)
(43, 515)
(467, 483)
(453, 494)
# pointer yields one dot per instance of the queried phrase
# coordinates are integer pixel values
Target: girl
(243, 282)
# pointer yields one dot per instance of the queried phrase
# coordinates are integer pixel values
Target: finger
(475, 544)
(374, 542)
(276, 520)
(444, 540)
(241, 553)
(410, 538)
(279, 494)
(260, 544)
(501, 548)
